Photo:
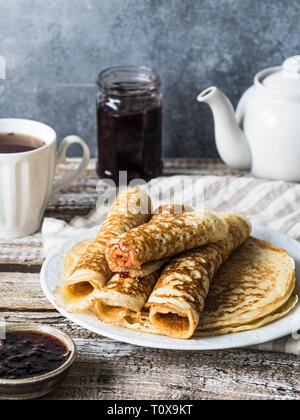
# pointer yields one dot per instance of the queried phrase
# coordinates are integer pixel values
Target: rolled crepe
(178, 298)
(163, 237)
(73, 256)
(171, 208)
(162, 211)
(123, 295)
(90, 272)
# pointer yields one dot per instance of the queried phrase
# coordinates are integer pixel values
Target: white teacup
(26, 179)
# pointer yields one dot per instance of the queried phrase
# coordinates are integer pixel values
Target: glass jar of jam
(129, 118)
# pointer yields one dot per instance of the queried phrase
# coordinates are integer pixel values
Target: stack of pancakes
(195, 273)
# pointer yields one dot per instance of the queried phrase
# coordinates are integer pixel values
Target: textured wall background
(55, 49)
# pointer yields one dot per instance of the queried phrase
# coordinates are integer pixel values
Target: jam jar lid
(129, 80)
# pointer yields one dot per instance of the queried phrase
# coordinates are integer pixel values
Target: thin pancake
(179, 296)
(171, 208)
(123, 295)
(91, 272)
(253, 288)
(140, 322)
(73, 256)
(164, 236)
(268, 319)
(254, 282)
(161, 212)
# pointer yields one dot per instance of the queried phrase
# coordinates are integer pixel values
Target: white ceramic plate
(52, 269)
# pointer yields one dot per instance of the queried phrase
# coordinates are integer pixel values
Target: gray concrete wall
(55, 49)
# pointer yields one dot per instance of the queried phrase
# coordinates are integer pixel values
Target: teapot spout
(231, 142)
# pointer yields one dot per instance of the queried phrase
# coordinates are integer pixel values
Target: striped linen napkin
(274, 204)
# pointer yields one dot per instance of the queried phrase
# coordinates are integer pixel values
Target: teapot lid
(285, 78)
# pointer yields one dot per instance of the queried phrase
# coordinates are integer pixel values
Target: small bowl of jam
(34, 360)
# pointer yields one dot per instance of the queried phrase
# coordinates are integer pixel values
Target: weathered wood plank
(199, 166)
(22, 290)
(26, 251)
(20, 268)
(153, 375)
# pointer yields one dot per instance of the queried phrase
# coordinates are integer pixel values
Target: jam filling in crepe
(164, 236)
(87, 274)
(178, 298)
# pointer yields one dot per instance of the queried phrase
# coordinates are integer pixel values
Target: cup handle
(62, 158)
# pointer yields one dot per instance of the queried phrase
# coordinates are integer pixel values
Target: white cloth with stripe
(273, 204)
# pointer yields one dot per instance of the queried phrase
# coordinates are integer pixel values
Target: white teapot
(264, 134)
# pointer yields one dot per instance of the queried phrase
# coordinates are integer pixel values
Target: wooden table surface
(106, 369)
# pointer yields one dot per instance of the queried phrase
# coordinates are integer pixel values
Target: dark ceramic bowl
(37, 386)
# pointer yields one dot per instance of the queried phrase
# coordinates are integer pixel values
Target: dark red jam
(129, 142)
(27, 354)
(129, 117)
(125, 275)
